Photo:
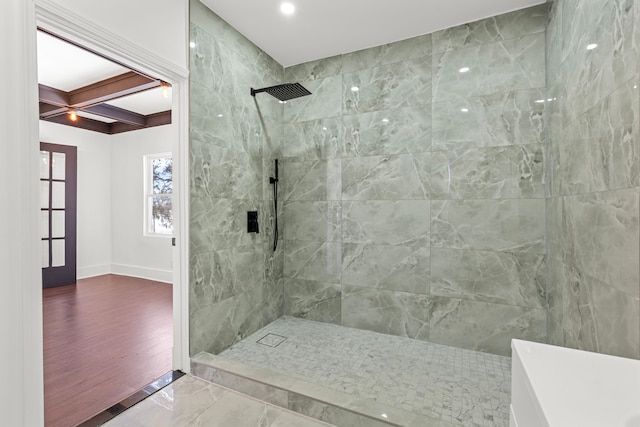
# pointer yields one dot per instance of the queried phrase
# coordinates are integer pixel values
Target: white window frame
(148, 193)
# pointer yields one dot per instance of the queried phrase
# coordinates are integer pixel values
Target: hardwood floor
(104, 339)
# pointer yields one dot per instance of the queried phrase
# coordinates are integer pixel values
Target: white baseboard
(158, 275)
(93, 271)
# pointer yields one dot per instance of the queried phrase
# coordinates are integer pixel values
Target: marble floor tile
(193, 402)
(453, 385)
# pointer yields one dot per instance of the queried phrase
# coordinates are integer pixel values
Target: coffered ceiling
(105, 96)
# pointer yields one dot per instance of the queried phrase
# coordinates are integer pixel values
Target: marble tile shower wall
(594, 170)
(415, 206)
(235, 277)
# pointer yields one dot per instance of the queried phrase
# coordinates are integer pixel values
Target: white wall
(133, 253)
(159, 26)
(94, 194)
(110, 200)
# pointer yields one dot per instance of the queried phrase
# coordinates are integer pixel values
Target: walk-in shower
(409, 246)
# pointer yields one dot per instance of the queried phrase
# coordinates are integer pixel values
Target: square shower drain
(271, 340)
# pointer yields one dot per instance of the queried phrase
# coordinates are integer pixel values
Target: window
(158, 194)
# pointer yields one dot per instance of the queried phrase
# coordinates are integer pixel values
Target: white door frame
(67, 24)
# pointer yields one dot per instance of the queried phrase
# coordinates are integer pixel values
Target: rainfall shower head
(284, 92)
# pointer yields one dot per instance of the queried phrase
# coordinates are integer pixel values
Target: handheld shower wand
(274, 181)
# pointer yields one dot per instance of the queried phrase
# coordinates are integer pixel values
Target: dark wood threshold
(135, 398)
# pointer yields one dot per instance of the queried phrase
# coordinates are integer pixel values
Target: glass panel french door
(58, 204)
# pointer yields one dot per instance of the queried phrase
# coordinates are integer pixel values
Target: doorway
(178, 323)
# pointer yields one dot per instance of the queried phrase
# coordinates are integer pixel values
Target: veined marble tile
(315, 261)
(224, 33)
(488, 173)
(273, 263)
(204, 59)
(404, 130)
(330, 413)
(527, 171)
(508, 118)
(316, 221)
(373, 374)
(472, 174)
(176, 405)
(324, 101)
(498, 225)
(220, 223)
(236, 409)
(504, 66)
(290, 419)
(404, 84)
(404, 50)
(270, 301)
(605, 231)
(556, 283)
(554, 125)
(484, 326)
(270, 135)
(391, 177)
(600, 149)
(217, 120)
(317, 301)
(393, 268)
(311, 180)
(212, 369)
(266, 216)
(401, 222)
(220, 173)
(215, 327)
(598, 317)
(554, 43)
(497, 28)
(395, 313)
(313, 70)
(219, 275)
(206, 124)
(598, 72)
(313, 140)
(556, 228)
(499, 277)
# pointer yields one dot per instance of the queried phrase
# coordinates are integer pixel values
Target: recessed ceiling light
(287, 8)
(592, 46)
(464, 69)
(464, 110)
(540, 101)
(354, 88)
(220, 115)
(192, 45)
(385, 120)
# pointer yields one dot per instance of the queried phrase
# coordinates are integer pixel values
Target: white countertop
(579, 388)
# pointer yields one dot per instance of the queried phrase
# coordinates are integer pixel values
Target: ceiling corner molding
(68, 24)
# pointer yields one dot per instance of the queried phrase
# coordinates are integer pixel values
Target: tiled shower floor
(459, 386)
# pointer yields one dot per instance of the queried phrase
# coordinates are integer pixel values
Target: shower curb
(319, 402)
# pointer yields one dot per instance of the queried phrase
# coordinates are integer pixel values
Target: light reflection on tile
(190, 401)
